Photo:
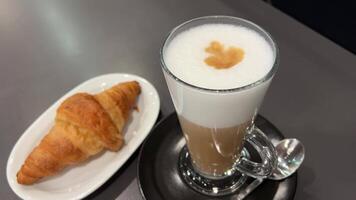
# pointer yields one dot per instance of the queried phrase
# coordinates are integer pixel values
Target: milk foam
(185, 56)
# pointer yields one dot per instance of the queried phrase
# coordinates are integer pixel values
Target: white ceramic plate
(81, 180)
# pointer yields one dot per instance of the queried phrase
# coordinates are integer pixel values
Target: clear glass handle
(266, 151)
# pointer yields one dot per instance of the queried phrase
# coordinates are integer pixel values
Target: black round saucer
(158, 176)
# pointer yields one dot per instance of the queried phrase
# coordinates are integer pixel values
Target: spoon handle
(250, 188)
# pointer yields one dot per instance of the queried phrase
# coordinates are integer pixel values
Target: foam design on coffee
(184, 56)
(186, 53)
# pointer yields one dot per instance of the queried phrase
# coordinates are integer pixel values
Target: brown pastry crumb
(222, 58)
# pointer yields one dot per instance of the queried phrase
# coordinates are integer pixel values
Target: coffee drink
(213, 62)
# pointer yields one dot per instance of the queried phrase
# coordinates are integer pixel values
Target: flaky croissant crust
(85, 125)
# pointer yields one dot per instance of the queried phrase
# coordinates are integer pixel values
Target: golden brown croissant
(84, 126)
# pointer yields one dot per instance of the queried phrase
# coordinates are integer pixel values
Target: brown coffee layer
(213, 150)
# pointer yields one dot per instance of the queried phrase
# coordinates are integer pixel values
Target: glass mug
(214, 161)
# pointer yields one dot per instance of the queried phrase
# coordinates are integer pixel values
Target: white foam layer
(184, 57)
(216, 110)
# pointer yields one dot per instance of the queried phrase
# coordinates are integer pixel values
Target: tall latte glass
(218, 69)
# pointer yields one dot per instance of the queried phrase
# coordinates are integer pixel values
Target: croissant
(84, 126)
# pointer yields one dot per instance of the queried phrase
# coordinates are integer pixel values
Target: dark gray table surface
(48, 47)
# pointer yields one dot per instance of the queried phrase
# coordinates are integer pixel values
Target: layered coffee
(213, 62)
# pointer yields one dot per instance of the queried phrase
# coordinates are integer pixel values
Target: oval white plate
(81, 180)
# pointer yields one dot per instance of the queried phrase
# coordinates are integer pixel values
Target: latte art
(222, 58)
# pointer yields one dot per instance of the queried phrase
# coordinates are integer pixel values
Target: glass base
(209, 185)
